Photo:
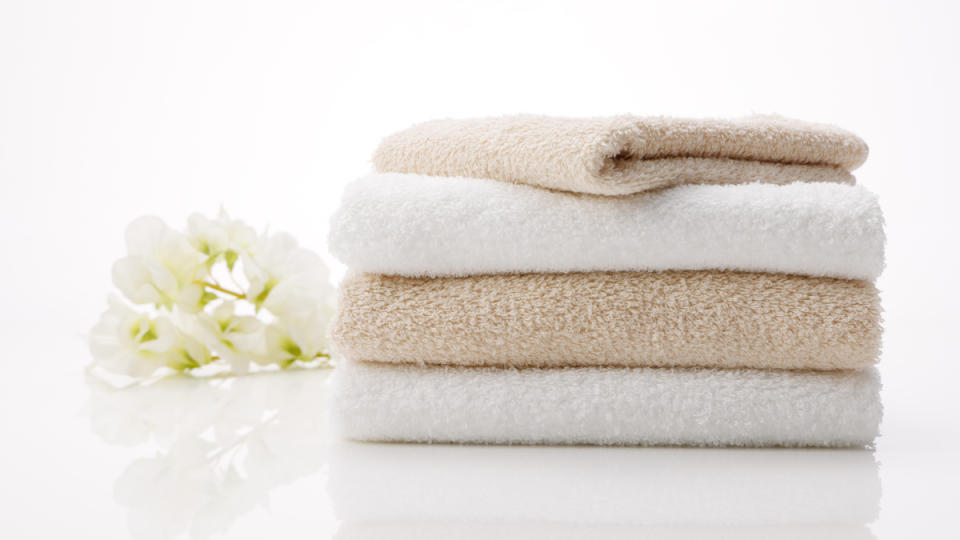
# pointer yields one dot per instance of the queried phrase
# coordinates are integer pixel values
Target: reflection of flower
(220, 292)
(219, 444)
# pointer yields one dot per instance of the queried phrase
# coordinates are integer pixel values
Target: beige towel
(625, 154)
(632, 319)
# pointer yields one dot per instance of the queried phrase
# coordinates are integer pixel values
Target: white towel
(609, 406)
(433, 226)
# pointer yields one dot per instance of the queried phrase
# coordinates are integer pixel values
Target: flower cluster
(219, 292)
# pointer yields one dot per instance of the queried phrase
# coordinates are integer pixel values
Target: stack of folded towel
(611, 281)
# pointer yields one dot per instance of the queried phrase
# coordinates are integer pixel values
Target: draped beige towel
(632, 319)
(625, 154)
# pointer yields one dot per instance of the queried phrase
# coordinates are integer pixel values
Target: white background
(110, 110)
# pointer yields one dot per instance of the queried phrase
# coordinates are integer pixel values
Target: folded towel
(610, 406)
(630, 319)
(375, 483)
(422, 225)
(625, 154)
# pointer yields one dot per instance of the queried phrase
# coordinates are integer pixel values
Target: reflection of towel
(429, 226)
(625, 154)
(706, 319)
(444, 484)
(501, 530)
(648, 406)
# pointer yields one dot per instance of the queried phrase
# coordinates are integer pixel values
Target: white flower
(282, 349)
(130, 343)
(292, 284)
(303, 337)
(162, 268)
(238, 339)
(187, 353)
(300, 296)
(310, 332)
(137, 345)
(283, 277)
(203, 310)
(221, 236)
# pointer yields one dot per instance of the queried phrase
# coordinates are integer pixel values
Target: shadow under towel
(606, 406)
(629, 319)
(625, 154)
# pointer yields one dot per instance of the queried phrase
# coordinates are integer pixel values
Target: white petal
(129, 273)
(239, 363)
(246, 325)
(196, 350)
(224, 311)
(168, 336)
(143, 234)
(189, 298)
(148, 294)
(162, 278)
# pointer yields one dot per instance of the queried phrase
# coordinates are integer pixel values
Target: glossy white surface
(251, 457)
(110, 110)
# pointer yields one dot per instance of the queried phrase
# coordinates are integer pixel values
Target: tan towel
(625, 154)
(632, 319)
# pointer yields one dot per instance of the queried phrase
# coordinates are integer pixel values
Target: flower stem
(216, 287)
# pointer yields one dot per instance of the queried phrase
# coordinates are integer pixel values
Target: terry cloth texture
(607, 406)
(376, 483)
(631, 319)
(625, 154)
(429, 226)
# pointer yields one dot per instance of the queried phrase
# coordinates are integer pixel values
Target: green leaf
(292, 348)
(182, 361)
(231, 257)
(262, 297)
(149, 335)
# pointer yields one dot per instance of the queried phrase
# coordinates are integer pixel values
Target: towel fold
(625, 154)
(609, 406)
(631, 319)
(431, 226)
